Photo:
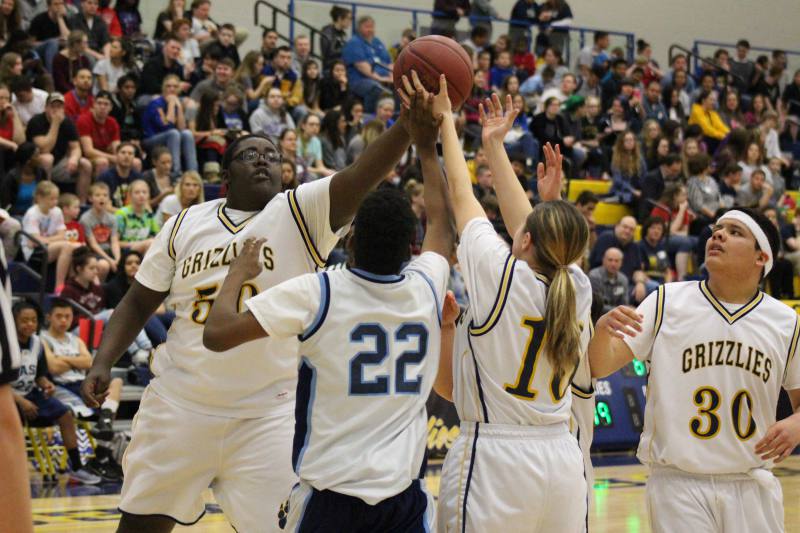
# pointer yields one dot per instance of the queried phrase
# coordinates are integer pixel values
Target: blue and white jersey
(30, 357)
(501, 374)
(369, 354)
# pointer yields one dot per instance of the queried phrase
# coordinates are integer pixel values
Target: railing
(41, 276)
(417, 13)
(313, 32)
(690, 54)
(732, 48)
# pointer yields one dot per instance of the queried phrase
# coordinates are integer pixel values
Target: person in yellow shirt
(705, 115)
(473, 164)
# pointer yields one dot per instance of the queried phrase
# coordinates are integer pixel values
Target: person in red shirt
(12, 132)
(79, 99)
(99, 133)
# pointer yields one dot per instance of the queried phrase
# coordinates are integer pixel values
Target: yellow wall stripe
(174, 232)
(301, 225)
(499, 303)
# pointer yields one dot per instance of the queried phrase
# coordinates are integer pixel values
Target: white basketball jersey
(716, 370)
(28, 363)
(369, 356)
(190, 258)
(65, 347)
(501, 373)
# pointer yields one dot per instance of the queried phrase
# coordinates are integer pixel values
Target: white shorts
(729, 503)
(513, 479)
(175, 454)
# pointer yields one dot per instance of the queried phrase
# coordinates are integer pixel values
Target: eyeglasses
(251, 155)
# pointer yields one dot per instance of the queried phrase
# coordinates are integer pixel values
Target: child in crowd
(136, 223)
(101, 226)
(44, 221)
(501, 70)
(33, 391)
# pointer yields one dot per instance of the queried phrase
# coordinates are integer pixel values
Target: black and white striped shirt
(9, 349)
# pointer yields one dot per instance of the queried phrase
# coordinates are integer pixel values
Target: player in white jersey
(225, 420)
(515, 466)
(369, 354)
(719, 351)
(15, 499)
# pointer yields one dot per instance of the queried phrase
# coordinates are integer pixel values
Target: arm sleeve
(486, 264)
(310, 206)
(791, 377)
(158, 267)
(651, 310)
(290, 308)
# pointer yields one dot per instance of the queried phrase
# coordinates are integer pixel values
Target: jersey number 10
(380, 384)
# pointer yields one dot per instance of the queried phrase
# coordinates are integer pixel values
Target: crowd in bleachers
(106, 132)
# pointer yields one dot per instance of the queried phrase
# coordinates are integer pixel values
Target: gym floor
(618, 502)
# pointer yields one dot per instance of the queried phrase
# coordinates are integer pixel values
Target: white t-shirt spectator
(189, 51)
(168, 207)
(34, 107)
(40, 224)
(112, 73)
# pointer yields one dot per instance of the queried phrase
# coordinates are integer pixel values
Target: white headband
(755, 229)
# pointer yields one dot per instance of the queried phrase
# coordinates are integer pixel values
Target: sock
(75, 459)
(111, 405)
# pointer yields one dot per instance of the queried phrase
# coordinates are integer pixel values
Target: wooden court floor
(618, 505)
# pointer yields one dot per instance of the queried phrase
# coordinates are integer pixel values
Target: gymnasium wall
(770, 23)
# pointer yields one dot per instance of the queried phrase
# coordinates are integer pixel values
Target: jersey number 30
(380, 384)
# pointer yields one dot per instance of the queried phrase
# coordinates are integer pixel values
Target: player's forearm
(514, 204)
(443, 385)
(349, 187)
(465, 205)
(439, 236)
(607, 354)
(226, 327)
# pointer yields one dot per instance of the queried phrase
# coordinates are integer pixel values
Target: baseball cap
(54, 97)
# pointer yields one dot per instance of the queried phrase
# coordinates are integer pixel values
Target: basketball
(431, 56)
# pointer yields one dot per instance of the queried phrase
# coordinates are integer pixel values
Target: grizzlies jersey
(716, 370)
(369, 355)
(501, 374)
(30, 358)
(189, 259)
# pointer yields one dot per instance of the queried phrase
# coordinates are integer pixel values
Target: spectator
(288, 176)
(612, 83)
(354, 113)
(790, 100)
(231, 115)
(301, 53)
(312, 87)
(553, 14)
(249, 76)
(130, 20)
(791, 243)
(10, 19)
(549, 126)
(758, 107)
(730, 113)
(653, 249)
(593, 54)
(705, 116)
(45, 222)
(26, 99)
(164, 123)
(60, 151)
(93, 25)
(10, 67)
(384, 111)
(47, 28)
(586, 202)
(208, 65)
(164, 23)
(71, 209)
(781, 277)
(120, 176)
(203, 28)
(209, 136)
(658, 149)
(655, 181)
(33, 392)
(101, 226)
(333, 129)
(519, 138)
(159, 67)
(481, 11)
(188, 192)
(70, 60)
(406, 37)
(622, 238)
(594, 128)
(769, 136)
(99, 133)
(680, 84)
(562, 93)
(502, 69)
(729, 184)
(124, 110)
(445, 16)
(287, 142)
(372, 130)
(742, 68)
(334, 36)
(109, 16)
(12, 132)
(334, 89)
(190, 48)
(271, 118)
(478, 39)
(689, 149)
(704, 196)
(160, 179)
(309, 147)
(18, 185)
(222, 79)
(627, 170)
(136, 223)
(769, 87)
(284, 78)
(608, 282)
(269, 44)
(652, 106)
(369, 65)
(524, 14)
(79, 100)
(484, 185)
(756, 193)
(119, 62)
(225, 45)
(753, 160)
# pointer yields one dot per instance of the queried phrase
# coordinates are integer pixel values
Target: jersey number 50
(380, 384)
(204, 299)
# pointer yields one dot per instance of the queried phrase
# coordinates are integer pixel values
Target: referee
(15, 491)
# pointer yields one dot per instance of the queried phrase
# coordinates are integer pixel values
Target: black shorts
(50, 409)
(333, 512)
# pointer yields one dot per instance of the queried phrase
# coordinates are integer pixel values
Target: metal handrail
(41, 276)
(313, 32)
(701, 42)
(691, 54)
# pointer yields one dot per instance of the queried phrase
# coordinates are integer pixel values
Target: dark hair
(669, 159)
(80, 258)
(24, 153)
(743, 42)
(617, 62)
(24, 304)
(205, 112)
(479, 31)
(228, 26)
(600, 35)
(587, 197)
(87, 69)
(641, 45)
(384, 229)
(227, 158)
(125, 78)
(703, 96)
(692, 130)
(698, 163)
(59, 303)
(338, 12)
(283, 48)
(769, 229)
(330, 128)
(103, 94)
(650, 221)
(20, 84)
(227, 61)
(268, 30)
(730, 168)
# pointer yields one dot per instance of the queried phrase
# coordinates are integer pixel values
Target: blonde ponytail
(560, 235)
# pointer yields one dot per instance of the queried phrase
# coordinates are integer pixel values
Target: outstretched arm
(226, 327)
(423, 127)
(443, 385)
(607, 351)
(350, 186)
(465, 206)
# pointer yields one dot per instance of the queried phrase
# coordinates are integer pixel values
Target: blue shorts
(50, 409)
(332, 512)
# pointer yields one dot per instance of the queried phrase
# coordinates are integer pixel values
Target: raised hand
(494, 122)
(548, 174)
(418, 117)
(450, 309)
(621, 321)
